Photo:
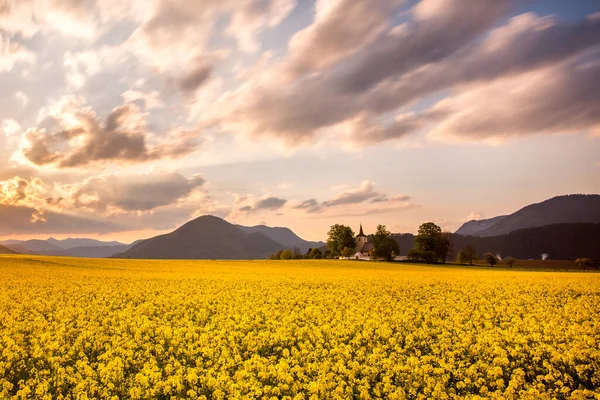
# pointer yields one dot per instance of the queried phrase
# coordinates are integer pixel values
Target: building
(363, 246)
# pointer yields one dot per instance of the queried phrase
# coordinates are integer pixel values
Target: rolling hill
(284, 236)
(558, 210)
(206, 237)
(473, 227)
(6, 250)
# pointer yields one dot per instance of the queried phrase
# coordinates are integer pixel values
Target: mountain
(6, 250)
(39, 246)
(284, 236)
(206, 237)
(17, 248)
(474, 226)
(558, 210)
(81, 242)
(558, 241)
(94, 251)
(78, 247)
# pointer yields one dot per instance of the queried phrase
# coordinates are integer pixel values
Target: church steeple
(361, 233)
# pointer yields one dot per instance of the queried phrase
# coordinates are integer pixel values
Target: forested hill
(559, 241)
(576, 208)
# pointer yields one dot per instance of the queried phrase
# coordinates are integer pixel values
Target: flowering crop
(75, 328)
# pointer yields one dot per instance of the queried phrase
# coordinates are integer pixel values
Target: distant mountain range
(71, 247)
(206, 237)
(558, 210)
(564, 227)
(284, 236)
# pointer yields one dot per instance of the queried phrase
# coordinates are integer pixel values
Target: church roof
(361, 234)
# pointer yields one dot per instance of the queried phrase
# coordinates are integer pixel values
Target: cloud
(81, 139)
(251, 16)
(362, 200)
(356, 98)
(12, 53)
(265, 203)
(295, 112)
(340, 27)
(15, 220)
(12, 191)
(134, 192)
(562, 98)
(176, 34)
(10, 127)
(123, 202)
(310, 206)
(74, 18)
(474, 216)
(195, 78)
(150, 100)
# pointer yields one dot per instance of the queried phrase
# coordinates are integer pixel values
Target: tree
(340, 237)
(583, 262)
(421, 255)
(509, 261)
(470, 254)
(287, 255)
(462, 258)
(386, 249)
(427, 241)
(347, 252)
(276, 256)
(443, 246)
(314, 254)
(490, 259)
(298, 254)
(380, 234)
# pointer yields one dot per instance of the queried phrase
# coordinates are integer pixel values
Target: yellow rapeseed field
(120, 329)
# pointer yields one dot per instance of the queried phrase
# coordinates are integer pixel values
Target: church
(363, 246)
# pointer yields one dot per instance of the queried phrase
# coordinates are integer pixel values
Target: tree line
(431, 245)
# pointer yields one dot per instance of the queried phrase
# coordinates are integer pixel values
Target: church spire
(361, 233)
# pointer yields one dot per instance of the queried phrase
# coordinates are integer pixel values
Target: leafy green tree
(510, 261)
(314, 254)
(276, 256)
(422, 255)
(298, 254)
(287, 255)
(386, 249)
(470, 254)
(490, 259)
(426, 235)
(430, 241)
(443, 246)
(380, 234)
(462, 258)
(348, 252)
(340, 237)
(583, 262)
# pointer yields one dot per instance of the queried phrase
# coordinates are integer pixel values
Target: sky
(123, 119)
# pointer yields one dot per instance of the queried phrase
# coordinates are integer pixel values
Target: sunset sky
(123, 119)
